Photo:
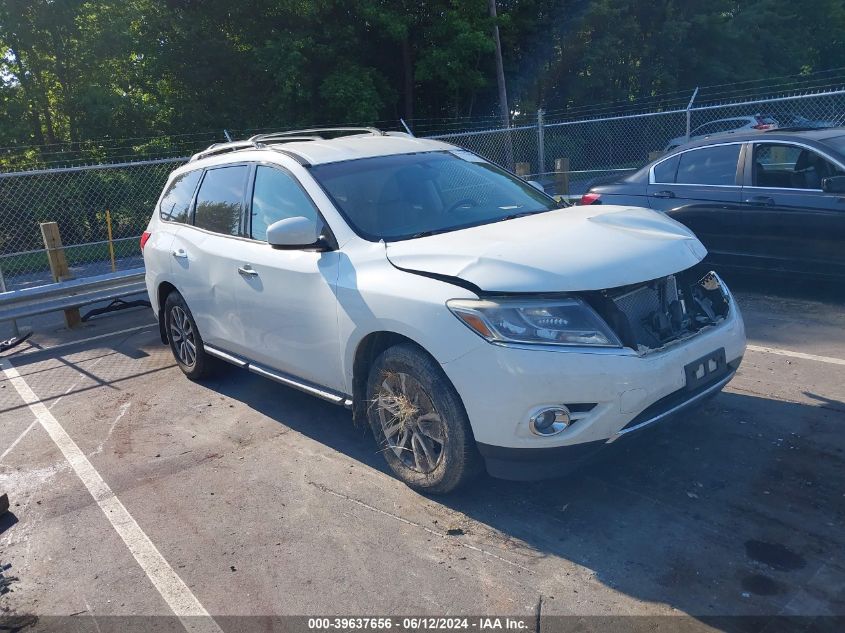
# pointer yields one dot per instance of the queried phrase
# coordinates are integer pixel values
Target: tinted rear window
(665, 171)
(176, 203)
(709, 166)
(220, 200)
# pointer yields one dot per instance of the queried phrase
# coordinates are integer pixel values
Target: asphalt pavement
(135, 492)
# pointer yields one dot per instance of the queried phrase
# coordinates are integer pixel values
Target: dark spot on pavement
(455, 532)
(761, 585)
(774, 555)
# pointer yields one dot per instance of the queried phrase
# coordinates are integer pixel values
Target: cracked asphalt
(265, 501)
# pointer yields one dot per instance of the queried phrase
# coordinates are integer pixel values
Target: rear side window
(709, 166)
(220, 200)
(176, 203)
(665, 172)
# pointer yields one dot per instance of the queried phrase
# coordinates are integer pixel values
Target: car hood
(576, 248)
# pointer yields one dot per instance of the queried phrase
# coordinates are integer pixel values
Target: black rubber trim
(449, 279)
(530, 464)
(299, 159)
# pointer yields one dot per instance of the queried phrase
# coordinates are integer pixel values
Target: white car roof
(319, 151)
(352, 147)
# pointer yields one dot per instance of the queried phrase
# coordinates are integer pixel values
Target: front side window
(176, 202)
(786, 166)
(709, 166)
(411, 195)
(277, 196)
(220, 200)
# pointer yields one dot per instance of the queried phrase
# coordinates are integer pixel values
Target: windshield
(412, 195)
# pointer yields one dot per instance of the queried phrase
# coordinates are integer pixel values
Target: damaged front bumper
(615, 391)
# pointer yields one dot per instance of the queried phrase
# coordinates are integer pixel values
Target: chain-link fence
(565, 156)
(100, 211)
(568, 156)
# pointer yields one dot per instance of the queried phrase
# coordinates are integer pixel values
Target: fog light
(549, 421)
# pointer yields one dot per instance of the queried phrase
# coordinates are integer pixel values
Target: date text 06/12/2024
(418, 623)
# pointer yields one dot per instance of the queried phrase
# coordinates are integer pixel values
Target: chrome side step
(272, 374)
(219, 353)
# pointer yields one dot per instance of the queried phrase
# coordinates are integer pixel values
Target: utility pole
(500, 68)
(503, 91)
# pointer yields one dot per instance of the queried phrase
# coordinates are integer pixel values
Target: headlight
(539, 321)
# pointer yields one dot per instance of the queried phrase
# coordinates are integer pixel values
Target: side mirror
(833, 184)
(536, 185)
(293, 233)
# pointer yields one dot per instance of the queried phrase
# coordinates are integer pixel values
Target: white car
(466, 316)
(759, 122)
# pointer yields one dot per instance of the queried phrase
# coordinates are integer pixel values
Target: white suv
(465, 315)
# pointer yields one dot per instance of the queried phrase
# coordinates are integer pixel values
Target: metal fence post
(541, 142)
(689, 107)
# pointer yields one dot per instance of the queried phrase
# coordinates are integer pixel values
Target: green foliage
(77, 70)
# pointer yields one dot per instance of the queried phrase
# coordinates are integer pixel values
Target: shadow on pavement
(7, 520)
(699, 513)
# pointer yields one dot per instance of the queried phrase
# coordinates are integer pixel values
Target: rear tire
(185, 340)
(419, 421)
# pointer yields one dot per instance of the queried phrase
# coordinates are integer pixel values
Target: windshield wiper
(427, 233)
(514, 216)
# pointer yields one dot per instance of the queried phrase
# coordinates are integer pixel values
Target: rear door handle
(664, 194)
(180, 253)
(761, 201)
(247, 271)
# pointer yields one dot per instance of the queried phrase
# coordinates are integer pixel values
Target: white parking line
(168, 583)
(785, 352)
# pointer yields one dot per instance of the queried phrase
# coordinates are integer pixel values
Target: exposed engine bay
(648, 316)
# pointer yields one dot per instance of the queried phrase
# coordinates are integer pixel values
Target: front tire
(184, 339)
(419, 421)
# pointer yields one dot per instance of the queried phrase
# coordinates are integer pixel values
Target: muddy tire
(185, 340)
(419, 421)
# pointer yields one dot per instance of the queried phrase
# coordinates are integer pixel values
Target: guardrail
(74, 293)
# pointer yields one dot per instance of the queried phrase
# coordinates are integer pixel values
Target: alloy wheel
(412, 427)
(182, 335)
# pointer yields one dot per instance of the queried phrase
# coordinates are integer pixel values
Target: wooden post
(523, 169)
(111, 243)
(562, 176)
(58, 265)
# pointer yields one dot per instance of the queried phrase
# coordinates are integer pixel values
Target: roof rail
(223, 148)
(260, 140)
(314, 132)
(286, 139)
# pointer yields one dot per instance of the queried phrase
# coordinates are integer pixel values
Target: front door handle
(664, 194)
(180, 253)
(247, 271)
(761, 201)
